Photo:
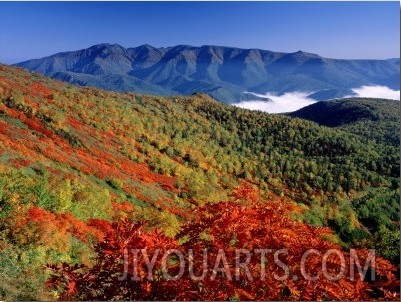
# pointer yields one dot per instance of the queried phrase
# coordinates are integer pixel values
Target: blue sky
(344, 29)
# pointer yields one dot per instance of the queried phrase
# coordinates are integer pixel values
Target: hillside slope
(370, 118)
(73, 160)
(224, 73)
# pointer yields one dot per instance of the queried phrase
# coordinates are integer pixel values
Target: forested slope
(376, 119)
(76, 161)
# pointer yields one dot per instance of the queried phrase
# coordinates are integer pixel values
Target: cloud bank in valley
(292, 101)
(288, 102)
(377, 92)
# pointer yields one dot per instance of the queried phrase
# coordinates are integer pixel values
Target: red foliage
(75, 123)
(38, 89)
(82, 230)
(224, 229)
(19, 162)
(50, 227)
(124, 207)
(32, 122)
(77, 283)
(104, 227)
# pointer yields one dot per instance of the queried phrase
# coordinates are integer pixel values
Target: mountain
(89, 175)
(359, 116)
(225, 73)
(394, 60)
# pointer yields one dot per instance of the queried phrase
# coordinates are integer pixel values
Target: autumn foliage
(245, 224)
(90, 179)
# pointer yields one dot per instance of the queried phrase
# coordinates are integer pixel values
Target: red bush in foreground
(234, 250)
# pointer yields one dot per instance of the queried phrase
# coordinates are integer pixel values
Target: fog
(292, 101)
(377, 92)
(288, 102)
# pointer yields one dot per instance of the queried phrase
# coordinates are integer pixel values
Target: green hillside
(376, 119)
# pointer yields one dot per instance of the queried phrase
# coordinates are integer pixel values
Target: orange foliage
(53, 229)
(258, 226)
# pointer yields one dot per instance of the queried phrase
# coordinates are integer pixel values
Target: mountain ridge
(225, 73)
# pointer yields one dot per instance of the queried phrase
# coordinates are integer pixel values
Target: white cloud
(288, 102)
(292, 101)
(382, 92)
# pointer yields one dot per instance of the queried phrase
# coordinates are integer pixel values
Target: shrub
(115, 183)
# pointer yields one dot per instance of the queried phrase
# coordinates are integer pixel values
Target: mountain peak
(304, 53)
(106, 46)
(144, 46)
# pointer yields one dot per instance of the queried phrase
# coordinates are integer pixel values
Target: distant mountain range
(225, 73)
